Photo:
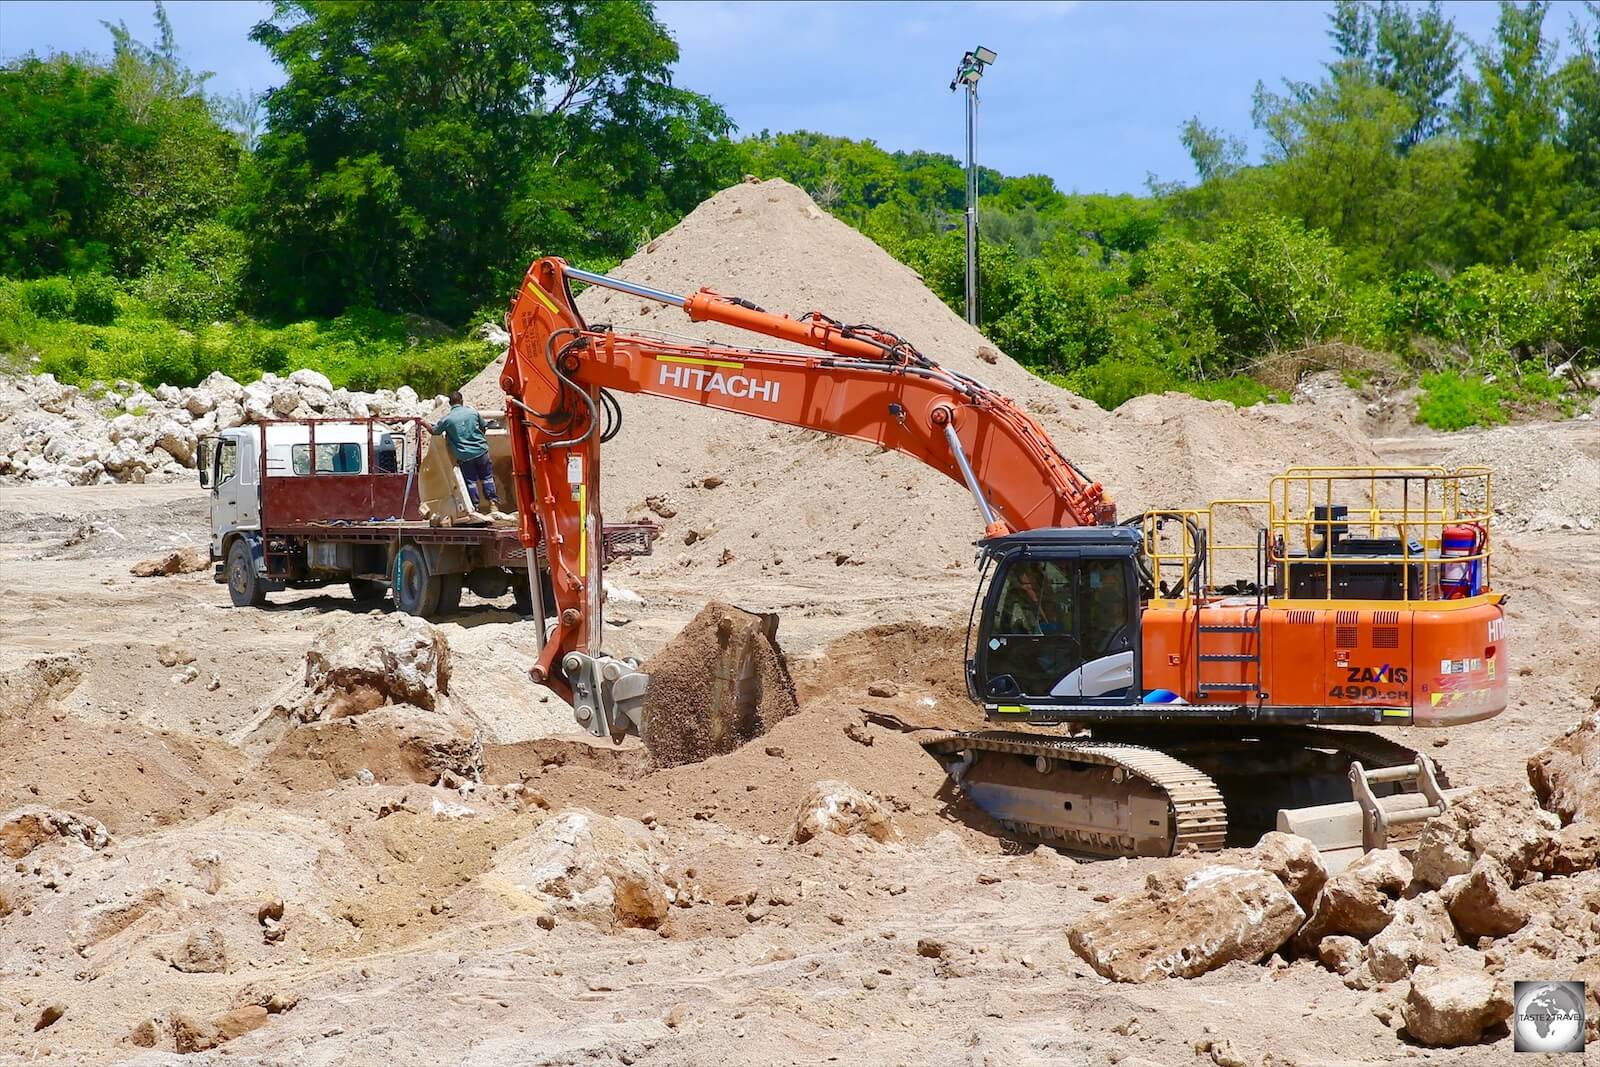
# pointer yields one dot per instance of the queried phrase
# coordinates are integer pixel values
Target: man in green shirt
(463, 429)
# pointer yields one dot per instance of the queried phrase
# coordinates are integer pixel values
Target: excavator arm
(850, 381)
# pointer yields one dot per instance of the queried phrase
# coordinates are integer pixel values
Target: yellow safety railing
(1400, 512)
(1406, 507)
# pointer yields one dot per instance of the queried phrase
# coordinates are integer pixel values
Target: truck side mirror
(203, 460)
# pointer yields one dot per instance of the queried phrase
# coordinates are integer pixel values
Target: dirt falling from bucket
(720, 682)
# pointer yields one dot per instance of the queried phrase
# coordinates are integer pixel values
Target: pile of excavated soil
(721, 682)
(746, 501)
(1542, 480)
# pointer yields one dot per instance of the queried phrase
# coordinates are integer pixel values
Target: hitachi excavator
(1148, 704)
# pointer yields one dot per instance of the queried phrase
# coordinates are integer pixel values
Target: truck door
(235, 498)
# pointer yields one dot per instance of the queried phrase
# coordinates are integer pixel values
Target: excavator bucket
(719, 683)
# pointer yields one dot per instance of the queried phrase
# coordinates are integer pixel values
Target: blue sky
(1091, 94)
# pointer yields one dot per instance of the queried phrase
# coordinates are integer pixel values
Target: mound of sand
(751, 499)
(1542, 481)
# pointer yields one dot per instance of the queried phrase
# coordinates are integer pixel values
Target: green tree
(1516, 182)
(419, 153)
(1580, 105)
(60, 120)
(1416, 56)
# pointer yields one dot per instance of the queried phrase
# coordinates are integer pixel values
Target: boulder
(25, 829)
(1360, 899)
(1420, 932)
(831, 807)
(191, 1034)
(1448, 1006)
(1481, 901)
(310, 379)
(356, 666)
(1568, 851)
(177, 440)
(1499, 821)
(1296, 863)
(1222, 914)
(599, 869)
(1588, 972)
(1566, 773)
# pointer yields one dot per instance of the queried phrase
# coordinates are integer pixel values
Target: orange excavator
(1164, 707)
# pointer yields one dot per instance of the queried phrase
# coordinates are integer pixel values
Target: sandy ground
(790, 954)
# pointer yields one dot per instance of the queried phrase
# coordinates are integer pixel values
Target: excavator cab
(1059, 621)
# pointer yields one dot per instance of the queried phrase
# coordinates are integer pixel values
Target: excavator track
(1109, 797)
(1105, 798)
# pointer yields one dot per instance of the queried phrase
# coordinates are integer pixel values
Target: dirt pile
(749, 501)
(721, 682)
(62, 435)
(1541, 480)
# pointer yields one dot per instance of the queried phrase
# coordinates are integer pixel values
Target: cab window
(1032, 639)
(227, 460)
(344, 458)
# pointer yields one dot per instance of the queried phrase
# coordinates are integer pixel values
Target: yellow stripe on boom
(544, 298)
(702, 362)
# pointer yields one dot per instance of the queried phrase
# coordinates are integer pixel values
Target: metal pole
(972, 202)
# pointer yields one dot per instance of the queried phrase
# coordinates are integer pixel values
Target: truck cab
(230, 465)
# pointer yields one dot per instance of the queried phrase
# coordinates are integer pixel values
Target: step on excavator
(1180, 679)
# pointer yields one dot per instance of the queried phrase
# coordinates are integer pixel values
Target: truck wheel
(244, 584)
(449, 594)
(416, 587)
(369, 592)
(522, 597)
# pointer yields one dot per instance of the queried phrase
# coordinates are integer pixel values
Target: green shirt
(463, 428)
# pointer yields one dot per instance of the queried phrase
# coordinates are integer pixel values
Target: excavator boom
(855, 381)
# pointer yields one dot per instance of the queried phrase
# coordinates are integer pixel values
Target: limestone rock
(1296, 862)
(353, 667)
(26, 828)
(1482, 903)
(204, 952)
(1221, 915)
(1360, 899)
(1566, 773)
(831, 807)
(1449, 1007)
(1340, 953)
(597, 868)
(1499, 821)
(1568, 851)
(1420, 932)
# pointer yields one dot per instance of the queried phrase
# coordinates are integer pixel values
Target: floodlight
(984, 55)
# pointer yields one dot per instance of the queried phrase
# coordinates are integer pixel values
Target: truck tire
(449, 595)
(523, 597)
(368, 592)
(244, 584)
(416, 587)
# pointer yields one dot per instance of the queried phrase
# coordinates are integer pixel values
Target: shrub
(49, 298)
(1263, 285)
(199, 277)
(1455, 401)
(94, 299)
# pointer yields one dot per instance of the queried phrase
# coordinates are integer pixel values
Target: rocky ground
(303, 835)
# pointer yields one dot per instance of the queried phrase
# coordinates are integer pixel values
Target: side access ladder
(1208, 651)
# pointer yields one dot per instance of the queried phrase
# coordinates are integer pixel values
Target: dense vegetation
(1430, 198)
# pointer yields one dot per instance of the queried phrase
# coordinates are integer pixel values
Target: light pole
(967, 74)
